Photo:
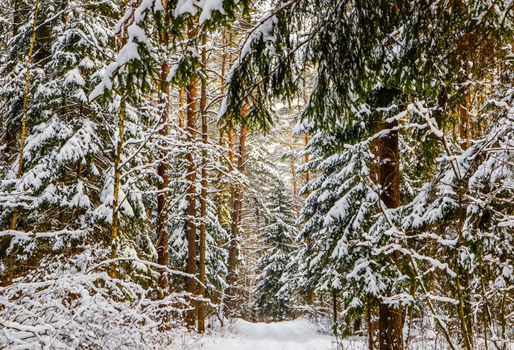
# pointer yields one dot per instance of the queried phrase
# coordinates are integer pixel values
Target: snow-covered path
(289, 335)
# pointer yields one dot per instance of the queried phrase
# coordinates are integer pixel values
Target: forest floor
(288, 335)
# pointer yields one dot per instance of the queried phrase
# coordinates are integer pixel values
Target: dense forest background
(172, 165)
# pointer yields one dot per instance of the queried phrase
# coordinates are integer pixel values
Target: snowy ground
(289, 335)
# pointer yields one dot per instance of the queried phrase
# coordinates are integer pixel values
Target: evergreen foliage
(170, 162)
(278, 238)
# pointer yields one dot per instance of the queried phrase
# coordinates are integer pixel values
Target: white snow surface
(298, 334)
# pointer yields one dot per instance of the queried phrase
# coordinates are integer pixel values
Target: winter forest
(266, 174)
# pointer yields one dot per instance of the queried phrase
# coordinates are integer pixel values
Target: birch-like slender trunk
(463, 278)
(232, 247)
(116, 184)
(203, 195)
(23, 135)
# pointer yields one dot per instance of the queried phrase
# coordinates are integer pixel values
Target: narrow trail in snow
(288, 335)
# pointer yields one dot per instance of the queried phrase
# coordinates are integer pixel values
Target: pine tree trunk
(334, 312)
(462, 285)
(390, 328)
(163, 174)
(203, 196)
(369, 324)
(116, 184)
(309, 293)
(241, 161)
(162, 169)
(221, 188)
(391, 319)
(295, 186)
(463, 279)
(192, 110)
(117, 172)
(14, 222)
(464, 123)
(236, 206)
(232, 247)
(182, 102)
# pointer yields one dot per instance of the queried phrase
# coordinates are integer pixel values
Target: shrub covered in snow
(70, 301)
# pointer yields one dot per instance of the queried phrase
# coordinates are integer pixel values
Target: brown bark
(391, 324)
(233, 225)
(182, 102)
(163, 174)
(162, 170)
(464, 123)
(203, 196)
(191, 114)
(464, 310)
(391, 319)
(236, 209)
(232, 249)
(295, 186)
(306, 159)
(357, 324)
(462, 285)
(464, 307)
(369, 324)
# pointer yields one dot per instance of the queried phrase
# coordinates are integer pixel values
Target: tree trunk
(182, 102)
(116, 185)
(309, 293)
(464, 123)
(391, 319)
(463, 279)
(369, 324)
(334, 312)
(220, 203)
(232, 247)
(241, 163)
(163, 174)
(15, 214)
(203, 197)
(117, 169)
(295, 186)
(162, 170)
(391, 325)
(237, 205)
(192, 109)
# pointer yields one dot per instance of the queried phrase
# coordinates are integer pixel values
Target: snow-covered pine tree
(216, 234)
(372, 60)
(278, 239)
(65, 148)
(466, 216)
(124, 87)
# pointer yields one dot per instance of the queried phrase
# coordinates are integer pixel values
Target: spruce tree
(277, 237)
(372, 60)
